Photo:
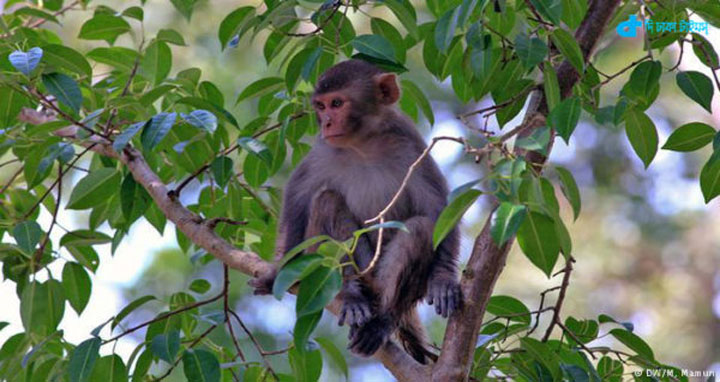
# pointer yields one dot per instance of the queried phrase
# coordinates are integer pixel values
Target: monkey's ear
(388, 90)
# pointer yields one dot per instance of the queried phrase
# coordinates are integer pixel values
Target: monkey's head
(347, 98)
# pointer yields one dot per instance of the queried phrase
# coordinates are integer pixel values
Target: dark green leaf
(185, 7)
(64, 89)
(134, 12)
(634, 342)
(94, 189)
(233, 23)
(27, 235)
(643, 81)
(375, 46)
(705, 51)
(83, 360)
(110, 368)
(570, 189)
(200, 286)
(574, 12)
(566, 43)
(549, 9)
(104, 26)
(387, 30)
(538, 140)
(306, 366)
(335, 355)
(35, 12)
(610, 370)
(551, 86)
(538, 240)
(505, 222)
(260, 87)
(405, 12)
(157, 62)
(544, 355)
(564, 118)
(67, 58)
(417, 95)
(710, 177)
(222, 170)
(642, 134)
(585, 330)
(304, 327)
(317, 290)
(156, 129)
(171, 36)
(201, 366)
(122, 139)
(510, 307)
(293, 272)
(118, 57)
(42, 306)
(530, 50)
(445, 29)
(466, 10)
(130, 308)
(452, 214)
(690, 137)
(166, 345)
(698, 87)
(84, 237)
(77, 285)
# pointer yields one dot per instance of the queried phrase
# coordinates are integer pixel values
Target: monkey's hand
(263, 284)
(445, 295)
(355, 309)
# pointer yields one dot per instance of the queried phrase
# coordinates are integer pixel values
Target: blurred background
(647, 247)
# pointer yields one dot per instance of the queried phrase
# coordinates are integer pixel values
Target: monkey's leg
(330, 215)
(400, 280)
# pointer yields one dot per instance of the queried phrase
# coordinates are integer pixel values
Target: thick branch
(487, 260)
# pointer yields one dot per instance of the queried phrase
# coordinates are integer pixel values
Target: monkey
(354, 169)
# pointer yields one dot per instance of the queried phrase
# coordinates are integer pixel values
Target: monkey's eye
(319, 106)
(336, 102)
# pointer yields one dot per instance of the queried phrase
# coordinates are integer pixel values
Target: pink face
(333, 111)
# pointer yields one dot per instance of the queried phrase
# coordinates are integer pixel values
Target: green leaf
(452, 213)
(35, 12)
(317, 290)
(104, 26)
(84, 237)
(705, 51)
(643, 81)
(690, 137)
(610, 370)
(129, 308)
(156, 129)
(544, 355)
(374, 46)
(83, 360)
(538, 240)
(201, 366)
(293, 272)
(256, 148)
(122, 139)
(417, 95)
(387, 30)
(566, 43)
(642, 134)
(157, 62)
(232, 23)
(67, 58)
(94, 189)
(510, 307)
(166, 345)
(134, 12)
(634, 342)
(304, 326)
(698, 87)
(42, 306)
(574, 12)
(77, 285)
(710, 177)
(466, 10)
(311, 63)
(564, 118)
(550, 9)
(134, 200)
(110, 368)
(222, 170)
(569, 189)
(202, 119)
(185, 7)
(531, 51)
(13, 102)
(25, 62)
(335, 355)
(585, 330)
(306, 366)
(200, 286)
(538, 140)
(260, 87)
(505, 222)
(445, 29)
(171, 36)
(64, 89)
(118, 57)
(27, 236)
(405, 12)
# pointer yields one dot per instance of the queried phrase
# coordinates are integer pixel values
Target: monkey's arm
(443, 285)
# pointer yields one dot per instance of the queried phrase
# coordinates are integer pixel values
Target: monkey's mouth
(338, 135)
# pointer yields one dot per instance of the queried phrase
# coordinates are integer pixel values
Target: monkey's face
(334, 114)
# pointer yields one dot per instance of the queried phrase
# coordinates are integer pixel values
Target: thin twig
(192, 344)
(623, 70)
(58, 13)
(574, 337)
(560, 300)
(255, 342)
(133, 72)
(37, 258)
(226, 307)
(11, 180)
(68, 117)
(320, 26)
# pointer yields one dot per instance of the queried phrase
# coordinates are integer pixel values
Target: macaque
(354, 169)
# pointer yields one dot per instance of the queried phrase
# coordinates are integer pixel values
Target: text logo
(629, 28)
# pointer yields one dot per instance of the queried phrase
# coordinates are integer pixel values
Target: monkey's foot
(445, 295)
(367, 339)
(355, 311)
(263, 284)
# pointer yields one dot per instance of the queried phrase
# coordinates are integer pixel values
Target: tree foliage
(144, 135)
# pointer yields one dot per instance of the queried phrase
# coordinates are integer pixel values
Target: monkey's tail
(413, 339)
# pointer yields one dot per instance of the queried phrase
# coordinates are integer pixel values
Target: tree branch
(487, 259)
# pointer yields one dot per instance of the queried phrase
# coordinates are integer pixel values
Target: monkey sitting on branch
(352, 172)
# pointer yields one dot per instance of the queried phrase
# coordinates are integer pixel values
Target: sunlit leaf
(452, 214)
